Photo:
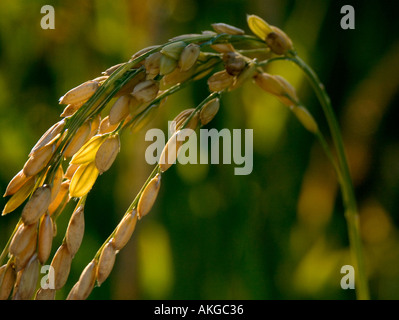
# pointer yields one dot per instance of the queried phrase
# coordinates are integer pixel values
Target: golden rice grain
(128, 87)
(189, 56)
(48, 136)
(87, 153)
(170, 151)
(85, 284)
(37, 205)
(75, 231)
(179, 120)
(71, 109)
(119, 110)
(106, 127)
(22, 259)
(246, 74)
(16, 183)
(106, 262)
(83, 180)
(148, 197)
(167, 65)
(19, 197)
(78, 140)
(95, 125)
(112, 69)
(45, 238)
(7, 280)
(146, 91)
(61, 264)
(220, 81)
(278, 41)
(234, 63)
(223, 47)
(27, 279)
(107, 153)
(152, 64)
(124, 230)
(38, 160)
(45, 294)
(56, 186)
(259, 26)
(61, 199)
(209, 111)
(24, 235)
(173, 50)
(226, 28)
(80, 93)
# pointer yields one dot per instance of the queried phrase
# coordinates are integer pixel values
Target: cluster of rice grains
(66, 161)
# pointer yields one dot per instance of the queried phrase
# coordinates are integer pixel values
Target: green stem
(351, 213)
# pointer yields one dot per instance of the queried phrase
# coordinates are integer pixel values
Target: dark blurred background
(278, 233)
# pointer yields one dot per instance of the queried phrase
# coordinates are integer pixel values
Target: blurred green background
(278, 233)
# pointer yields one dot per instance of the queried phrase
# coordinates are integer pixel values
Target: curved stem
(351, 213)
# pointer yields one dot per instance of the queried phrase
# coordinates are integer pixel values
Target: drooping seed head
(45, 238)
(75, 231)
(189, 56)
(37, 205)
(226, 28)
(148, 197)
(220, 81)
(119, 110)
(80, 93)
(107, 153)
(146, 91)
(124, 230)
(209, 111)
(106, 262)
(61, 266)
